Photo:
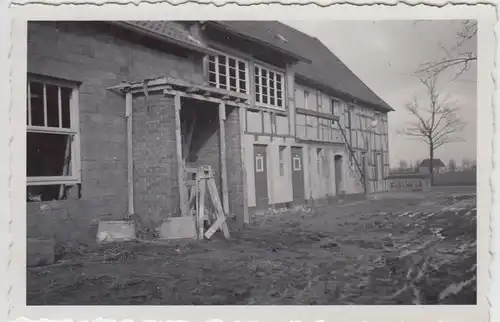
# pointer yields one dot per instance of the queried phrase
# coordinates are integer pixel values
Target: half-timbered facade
(117, 112)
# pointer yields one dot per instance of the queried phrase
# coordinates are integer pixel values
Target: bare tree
(436, 123)
(452, 165)
(456, 57)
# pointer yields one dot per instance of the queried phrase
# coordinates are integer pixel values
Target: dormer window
(228, 73)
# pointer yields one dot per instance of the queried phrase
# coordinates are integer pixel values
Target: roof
(325, 67)
(170, 31)
(435, 163)
(251, 30)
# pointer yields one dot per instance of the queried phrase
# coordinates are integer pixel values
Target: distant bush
(456, 178)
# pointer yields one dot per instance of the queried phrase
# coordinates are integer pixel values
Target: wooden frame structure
(179, 89)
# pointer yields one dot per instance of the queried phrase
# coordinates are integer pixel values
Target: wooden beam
(202, 97)
(327, 116)
(212, 189)
(223, 161)
(130, 161)
(245, 219)
(290, 98)
(180, 166)
(163, 82)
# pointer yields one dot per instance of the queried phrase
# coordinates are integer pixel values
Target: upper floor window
(269, 88)
(306, 100)
(52, 133)
(228, 73)
(348, 115)
(336, 106)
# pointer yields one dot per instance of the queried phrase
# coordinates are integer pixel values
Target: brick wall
(99, 56)
(156, 188)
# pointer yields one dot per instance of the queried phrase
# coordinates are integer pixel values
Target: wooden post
(201, 211)
(241, 221)
(130, 161)
(180, 167)
(290, 99)
(222, 129)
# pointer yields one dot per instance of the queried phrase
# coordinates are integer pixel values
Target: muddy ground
(384, 251)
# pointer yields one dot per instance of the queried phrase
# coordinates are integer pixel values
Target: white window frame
(281, 157)
(297, 166)
(258, 98)
(73, 131)
(227, 76)
(259, 158)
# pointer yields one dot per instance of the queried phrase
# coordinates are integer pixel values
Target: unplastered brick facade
(96, 56)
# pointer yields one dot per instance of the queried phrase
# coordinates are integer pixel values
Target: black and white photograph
(252, 162)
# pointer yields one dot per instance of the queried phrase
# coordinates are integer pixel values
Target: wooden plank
(222, 129)
(201, 208)
(192, 198)
(130, 160)
(206, 96)
(180, 165)
(212, 189)
(316, 114)
(216, 225)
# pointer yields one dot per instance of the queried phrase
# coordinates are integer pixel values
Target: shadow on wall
(200, 135)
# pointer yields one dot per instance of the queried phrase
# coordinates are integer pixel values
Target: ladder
(203, 186)
(353, 155)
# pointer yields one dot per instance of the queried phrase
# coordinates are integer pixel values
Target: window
(228, 73)
(335, 111)
(348, 117)
(259, 163)
(52, 133)
(297, 164)
(269, 88)
(306, 100)
(282, 160)
(319, 161)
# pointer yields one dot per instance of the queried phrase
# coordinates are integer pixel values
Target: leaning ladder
(353, 155)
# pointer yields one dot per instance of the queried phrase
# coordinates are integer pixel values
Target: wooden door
(297, 175)
(338, 174)
(260, 170)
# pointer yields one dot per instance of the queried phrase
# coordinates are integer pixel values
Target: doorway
(338, 173)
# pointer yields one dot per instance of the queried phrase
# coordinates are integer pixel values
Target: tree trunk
(431, 165)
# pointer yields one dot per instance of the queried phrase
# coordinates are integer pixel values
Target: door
(297, 175)
(338, 174)
(260, 170)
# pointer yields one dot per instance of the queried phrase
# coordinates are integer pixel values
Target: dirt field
(386, 251)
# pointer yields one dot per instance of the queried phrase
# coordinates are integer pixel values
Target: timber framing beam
(173, 86)
(223, 161)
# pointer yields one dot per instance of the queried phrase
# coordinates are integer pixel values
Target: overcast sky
(384, 54)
